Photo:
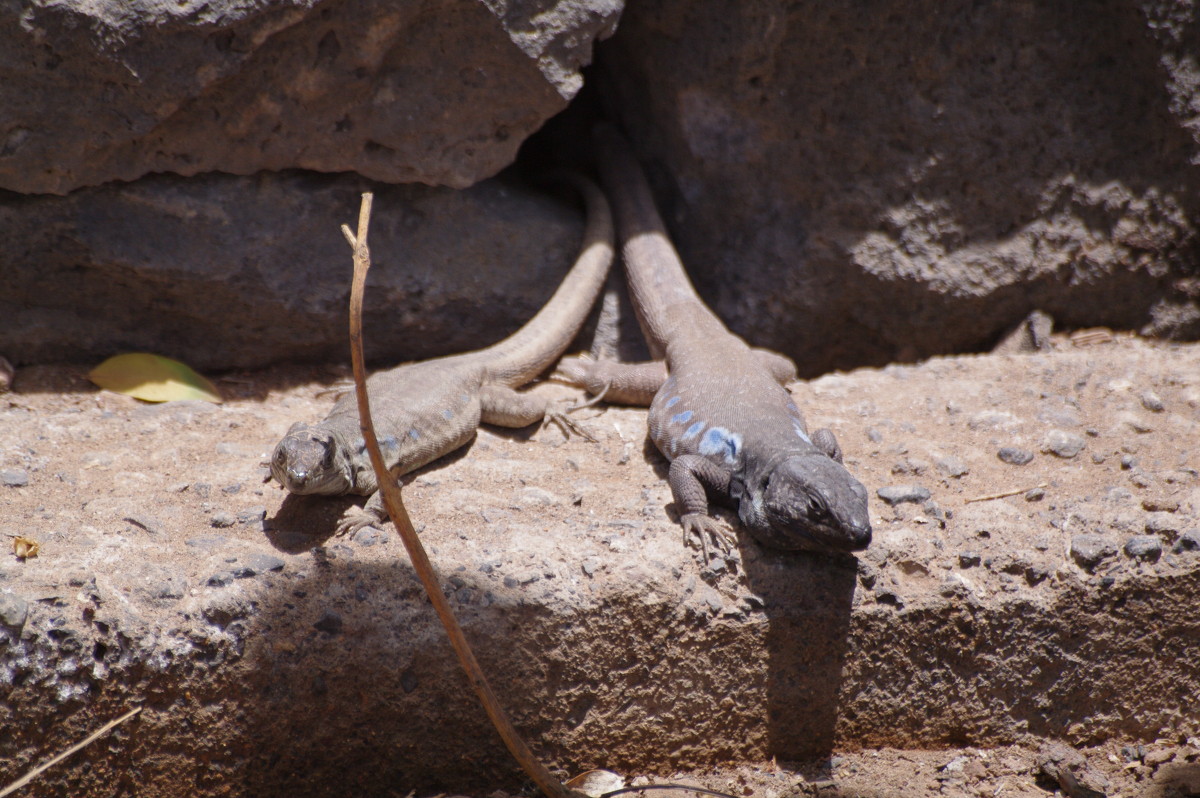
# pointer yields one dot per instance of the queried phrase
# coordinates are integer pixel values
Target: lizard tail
(530, 350)
(657, 279)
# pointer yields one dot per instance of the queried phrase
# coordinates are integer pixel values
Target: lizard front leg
(690, 474)
(505, 407)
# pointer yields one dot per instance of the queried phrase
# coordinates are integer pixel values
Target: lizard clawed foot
(354, 519)
(567, 424)
(703, 527)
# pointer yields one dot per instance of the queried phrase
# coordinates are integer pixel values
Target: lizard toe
(354, 519)
(704, 528)
(568, 425)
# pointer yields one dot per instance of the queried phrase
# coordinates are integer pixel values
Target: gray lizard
(427, 409)
(718, 408)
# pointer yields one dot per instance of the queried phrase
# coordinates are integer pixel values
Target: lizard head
(307, 460)
(810, 502)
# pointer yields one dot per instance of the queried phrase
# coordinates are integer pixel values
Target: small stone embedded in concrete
(219, 579)
(898, 494)
(952, 466)
(330, 623)
(1089, 550)
(222, 519)
(589, 565)
(1035, 494)
(1014, 456)
(14, 477)
(13, 611)
(1128, 461)
(1153, 505)
(874, 435)
(230, 490)
(1063, 444)
(1144, 547)
(1151, 402)
(1188, 542)
(969, 559)
(1163, 524)
(512, 583)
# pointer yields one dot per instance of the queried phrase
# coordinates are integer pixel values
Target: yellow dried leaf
(152, 378)
(25, 548)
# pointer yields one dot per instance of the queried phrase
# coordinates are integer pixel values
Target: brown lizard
(427, 409)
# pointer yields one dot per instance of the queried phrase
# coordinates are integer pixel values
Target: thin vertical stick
(394, 504)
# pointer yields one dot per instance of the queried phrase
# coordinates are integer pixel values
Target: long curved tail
(530, 350)
(656, 277)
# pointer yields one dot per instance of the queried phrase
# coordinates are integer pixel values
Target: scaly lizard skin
(427, 409)
(718, 409)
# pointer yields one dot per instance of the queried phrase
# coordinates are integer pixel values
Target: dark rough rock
(436, 92)
(898, 494)
(820, 171)
(1014, 456)
(142, 266)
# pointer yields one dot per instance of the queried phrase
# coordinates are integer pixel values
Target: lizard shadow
(807, 598)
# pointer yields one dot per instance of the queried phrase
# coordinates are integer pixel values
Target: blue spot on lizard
(692, 431)
(720, 441)
(674, 400)
(682, 418)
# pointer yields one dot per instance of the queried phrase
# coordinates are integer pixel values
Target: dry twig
(394, 504)
(1003, 494)
(31, 775)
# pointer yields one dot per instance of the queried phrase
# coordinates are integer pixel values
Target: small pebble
(1160, 505)
(952, 466)
(14, 477)
(1128, 461)
(1089, 550)
(1063, 444)
(1035, 494)
(1014, 456)
(1143, 547)
(369, 536)
(1151, 402)
(13, 611)
(969, 559)
(1188, 541)
(1163, 524)
(261, 562)
(252, 515)
(219, 579)
(898, 494)
(222, 519)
